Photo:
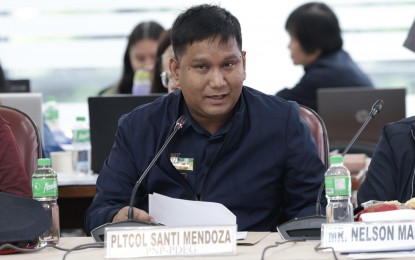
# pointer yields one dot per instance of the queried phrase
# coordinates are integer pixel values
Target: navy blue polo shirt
(195, 149)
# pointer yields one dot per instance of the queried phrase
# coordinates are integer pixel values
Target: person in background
(51, 145)
(391, 173)
(162, 80)
(13, 177)
(140, 54)
(316, 44)
(242, 148)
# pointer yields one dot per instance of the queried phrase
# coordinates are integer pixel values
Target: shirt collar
(183, 110)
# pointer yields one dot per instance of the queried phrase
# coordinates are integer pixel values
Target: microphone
(99, 232)
(377, 106)
(309, 228)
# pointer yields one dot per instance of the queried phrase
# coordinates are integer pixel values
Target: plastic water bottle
(45, 190)
(338, 192)
(82, 146)
(51, 113)
(141, 83)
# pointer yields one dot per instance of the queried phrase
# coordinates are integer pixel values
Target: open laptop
(104, 112)
(18, 85)
(344, 110)
(29, 103)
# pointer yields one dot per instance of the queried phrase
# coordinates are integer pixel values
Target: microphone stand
(179, 124)
(310, 227)
(99, 232)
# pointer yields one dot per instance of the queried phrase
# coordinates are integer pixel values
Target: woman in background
(140, 54)
(316, 43)
(162, 79)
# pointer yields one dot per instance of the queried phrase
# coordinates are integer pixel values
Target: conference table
(291, 250)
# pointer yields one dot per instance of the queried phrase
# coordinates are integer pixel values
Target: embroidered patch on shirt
(181, 164)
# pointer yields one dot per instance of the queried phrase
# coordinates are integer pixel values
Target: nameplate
(368, 237)
(126, 242)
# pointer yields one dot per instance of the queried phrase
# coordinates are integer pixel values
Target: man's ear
(244, 62)
(174, 69)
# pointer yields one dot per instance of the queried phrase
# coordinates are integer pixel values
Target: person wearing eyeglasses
(163, 81)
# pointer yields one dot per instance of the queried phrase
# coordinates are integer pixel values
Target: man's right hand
(139, 215)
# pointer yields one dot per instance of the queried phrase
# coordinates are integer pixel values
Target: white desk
(77, 185)
(65, 179)
(298, 250)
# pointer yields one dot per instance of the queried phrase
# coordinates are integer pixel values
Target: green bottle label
(81, 135)
(338, 186)
(51, 114)
(44, 188)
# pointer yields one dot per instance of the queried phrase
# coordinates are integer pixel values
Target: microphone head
(377, 106)
(180, 122)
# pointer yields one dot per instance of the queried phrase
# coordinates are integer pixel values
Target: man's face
(210, 75)
(299, 55)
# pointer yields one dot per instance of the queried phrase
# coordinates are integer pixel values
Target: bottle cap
(336, 159)
(80, 118)
(142, 75)
(43, 161)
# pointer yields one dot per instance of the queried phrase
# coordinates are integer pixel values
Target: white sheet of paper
(179, 213)
(384, 255)
(391, 215)
(241, 235)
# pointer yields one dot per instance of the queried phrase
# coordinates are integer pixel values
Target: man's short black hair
(203, 22)
(316, 27)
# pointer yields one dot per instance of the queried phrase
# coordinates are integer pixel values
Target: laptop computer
(29, 103)
(18, 85)
(344, 110)
(104, 112)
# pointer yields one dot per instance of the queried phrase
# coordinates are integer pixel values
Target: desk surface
(77, 185)
(294, 250)
(291, 250)
(76, 179)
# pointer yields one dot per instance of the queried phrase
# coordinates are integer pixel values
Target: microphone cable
(318, 248)
(303, 239)
(68, 250)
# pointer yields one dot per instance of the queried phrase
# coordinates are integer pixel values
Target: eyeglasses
(165, 78)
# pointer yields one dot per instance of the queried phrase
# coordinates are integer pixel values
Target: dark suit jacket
(391, 171)
(266, 171)
(331, 71)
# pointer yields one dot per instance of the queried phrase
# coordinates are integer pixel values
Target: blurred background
(73, 49)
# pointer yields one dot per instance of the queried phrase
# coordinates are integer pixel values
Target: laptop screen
(104, 112)
(344, 110)
(18, 85)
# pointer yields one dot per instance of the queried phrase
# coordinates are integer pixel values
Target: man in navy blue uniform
(391, 173)
(239, 147)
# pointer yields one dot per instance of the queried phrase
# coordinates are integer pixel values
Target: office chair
(27, 136)
(318, 129)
